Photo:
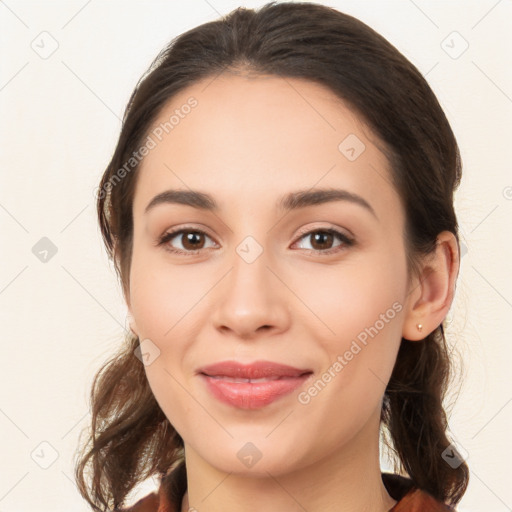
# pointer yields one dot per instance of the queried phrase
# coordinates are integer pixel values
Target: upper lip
(255, 370)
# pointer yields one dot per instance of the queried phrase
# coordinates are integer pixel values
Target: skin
(249, 141)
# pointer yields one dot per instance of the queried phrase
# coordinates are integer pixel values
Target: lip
(230, 382)
(255, 370)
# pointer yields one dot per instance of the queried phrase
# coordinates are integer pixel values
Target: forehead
(263, 135)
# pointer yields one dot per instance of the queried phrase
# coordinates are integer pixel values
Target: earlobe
(133, 325)
(433, 290)
(133, 329)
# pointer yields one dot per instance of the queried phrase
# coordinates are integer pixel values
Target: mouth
(252, 386)
(254, 381)
(252, 371)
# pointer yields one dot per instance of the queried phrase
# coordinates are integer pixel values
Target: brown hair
(131, 439)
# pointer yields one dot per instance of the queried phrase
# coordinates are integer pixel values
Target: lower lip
(249, 395)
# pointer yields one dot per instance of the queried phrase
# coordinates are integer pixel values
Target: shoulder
(409, 497)
(419, 501)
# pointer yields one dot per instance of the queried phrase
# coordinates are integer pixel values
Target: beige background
(62, 318)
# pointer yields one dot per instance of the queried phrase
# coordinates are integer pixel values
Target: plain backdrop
(67, 70)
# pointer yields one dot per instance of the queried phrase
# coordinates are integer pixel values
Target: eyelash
(347, 241)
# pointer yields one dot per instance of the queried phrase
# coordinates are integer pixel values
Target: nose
(251, 299)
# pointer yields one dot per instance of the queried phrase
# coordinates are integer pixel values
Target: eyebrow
(289, 202)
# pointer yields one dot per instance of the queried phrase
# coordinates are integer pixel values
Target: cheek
(346, 299)
(357, 323)
(163, 302)
(163, 295)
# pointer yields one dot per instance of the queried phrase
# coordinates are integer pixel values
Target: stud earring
(420, 327)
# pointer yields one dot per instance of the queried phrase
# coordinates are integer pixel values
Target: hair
(130, 438)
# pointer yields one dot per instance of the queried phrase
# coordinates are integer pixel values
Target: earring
(419, 327)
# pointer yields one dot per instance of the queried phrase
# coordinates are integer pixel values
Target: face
(318, 285)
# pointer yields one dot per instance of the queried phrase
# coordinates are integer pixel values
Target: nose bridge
(250, 296)
(252, 251)
(250, 278)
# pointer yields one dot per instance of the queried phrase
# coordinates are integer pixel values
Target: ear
(126, 294)
(131, 320)
(133, 325)
(431, 292)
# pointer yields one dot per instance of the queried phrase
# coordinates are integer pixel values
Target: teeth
(237, 379)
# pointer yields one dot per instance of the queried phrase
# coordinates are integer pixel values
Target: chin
(255, 458)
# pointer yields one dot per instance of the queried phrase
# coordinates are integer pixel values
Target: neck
(348, 480)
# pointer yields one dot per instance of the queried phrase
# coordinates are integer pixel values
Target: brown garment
(173, 487)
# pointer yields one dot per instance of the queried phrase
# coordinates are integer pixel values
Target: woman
(279, 208)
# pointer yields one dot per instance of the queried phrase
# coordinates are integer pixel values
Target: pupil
(191, 238)
(321, 236)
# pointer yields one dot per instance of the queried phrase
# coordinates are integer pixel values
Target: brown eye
(192, 241)
(322, 241)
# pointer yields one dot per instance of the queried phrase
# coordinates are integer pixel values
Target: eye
(192, 243)
(322, 240)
